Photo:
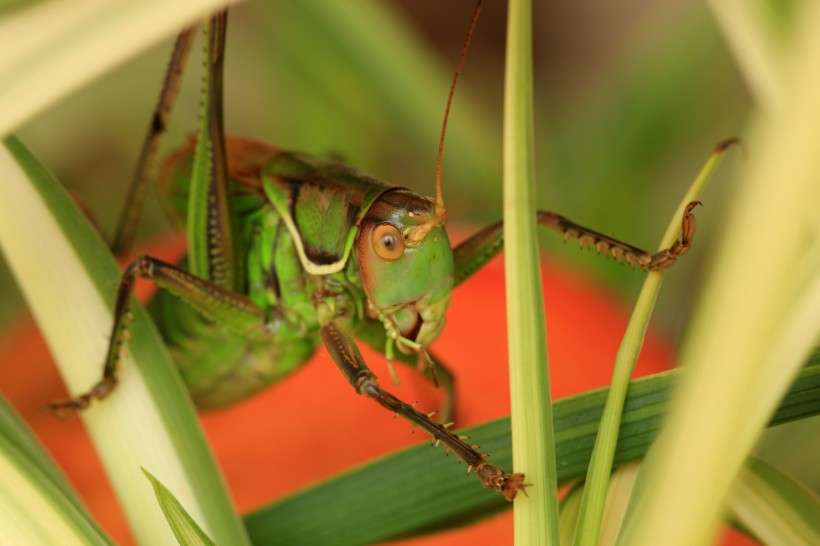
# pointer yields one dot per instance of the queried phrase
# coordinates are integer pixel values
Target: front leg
(475, 252)
(348, 359)
(372, 332)
(479, 249)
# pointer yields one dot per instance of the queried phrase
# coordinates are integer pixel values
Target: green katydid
(286, 252)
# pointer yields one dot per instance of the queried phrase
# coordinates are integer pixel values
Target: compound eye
(388, 242)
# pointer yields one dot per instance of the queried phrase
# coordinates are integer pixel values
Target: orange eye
(388, 242)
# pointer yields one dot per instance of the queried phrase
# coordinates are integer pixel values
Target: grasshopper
(287, 252)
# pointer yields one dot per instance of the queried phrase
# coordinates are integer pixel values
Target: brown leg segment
(348, 359)
(621, 251)
(479, 249)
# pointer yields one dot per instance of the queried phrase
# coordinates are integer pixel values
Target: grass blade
(185, 528)
(570, 509)
(37, 505)
(536, 515)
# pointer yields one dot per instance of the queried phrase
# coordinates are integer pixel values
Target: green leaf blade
(37, 505)
(186, 530)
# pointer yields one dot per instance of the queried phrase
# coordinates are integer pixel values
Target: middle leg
(236, 312)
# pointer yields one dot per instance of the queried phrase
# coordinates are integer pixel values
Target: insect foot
(63, 409)
(620, 251)
(665, 258)
(508, 486)
(491, 476)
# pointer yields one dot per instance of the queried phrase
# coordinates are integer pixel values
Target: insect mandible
(287, 252)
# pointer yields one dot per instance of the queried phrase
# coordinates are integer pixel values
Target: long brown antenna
(441, 212)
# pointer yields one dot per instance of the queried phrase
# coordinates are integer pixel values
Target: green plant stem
(536, 515)
(595, 491)
(592, 504)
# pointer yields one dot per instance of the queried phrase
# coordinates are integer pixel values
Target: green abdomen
(221, 366)
(218, 366)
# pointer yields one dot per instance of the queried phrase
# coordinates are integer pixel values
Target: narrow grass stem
(592, 505)
(536, 515)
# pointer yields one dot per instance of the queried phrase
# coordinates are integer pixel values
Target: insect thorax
(323, 203)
